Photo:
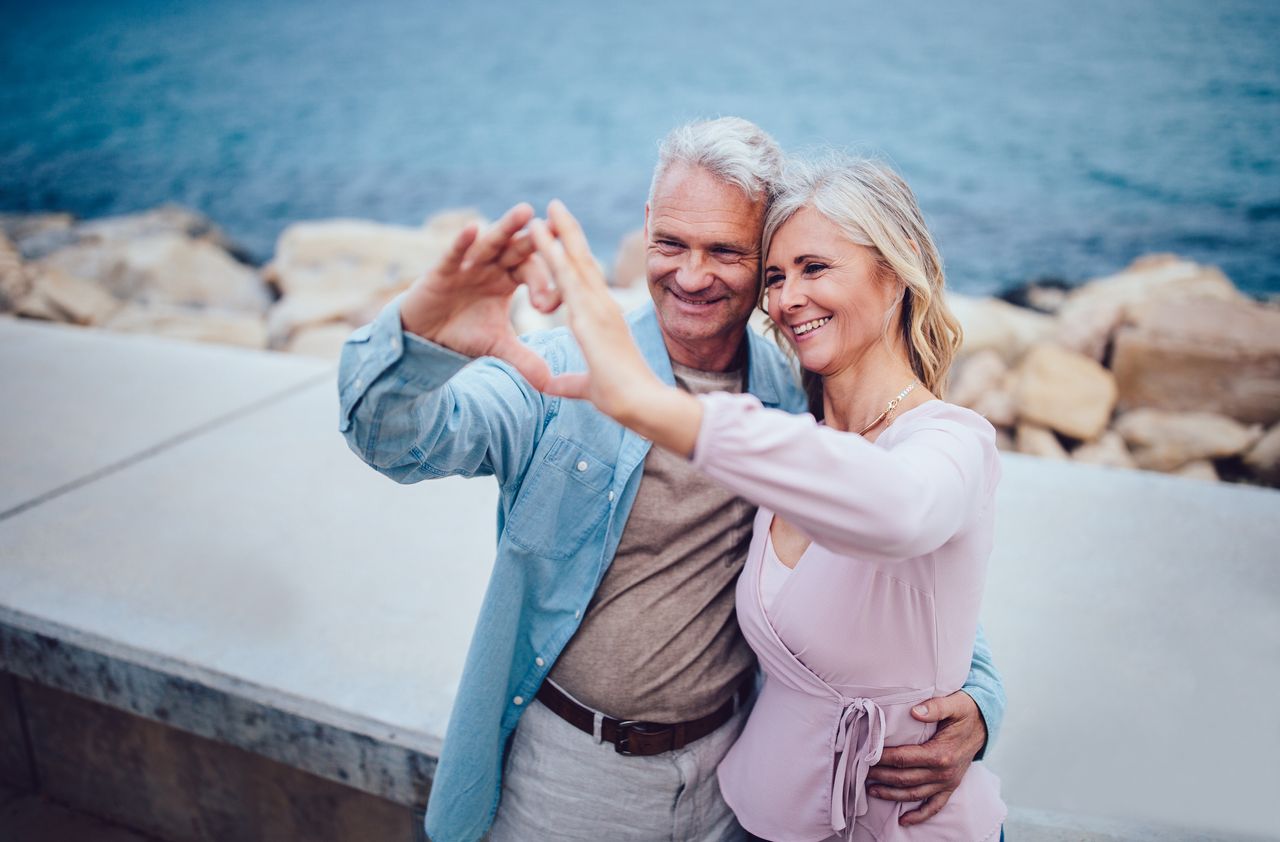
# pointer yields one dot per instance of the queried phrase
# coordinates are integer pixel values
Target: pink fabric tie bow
(860, 740)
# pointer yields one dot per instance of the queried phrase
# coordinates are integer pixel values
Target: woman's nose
(790, 296)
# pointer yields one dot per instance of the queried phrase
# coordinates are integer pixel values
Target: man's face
(702, 264)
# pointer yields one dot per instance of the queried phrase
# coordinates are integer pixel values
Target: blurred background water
(1045, 138)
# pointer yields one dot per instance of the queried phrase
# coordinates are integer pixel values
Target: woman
(863, 583)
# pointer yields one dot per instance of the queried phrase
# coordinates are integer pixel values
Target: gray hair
(732, 149)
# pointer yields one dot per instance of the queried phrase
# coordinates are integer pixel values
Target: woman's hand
(619, 381)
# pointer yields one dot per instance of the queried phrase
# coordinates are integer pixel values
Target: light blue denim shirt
(568, 476)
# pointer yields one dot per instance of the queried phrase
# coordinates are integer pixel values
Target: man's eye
(668, 245)
(726, 254)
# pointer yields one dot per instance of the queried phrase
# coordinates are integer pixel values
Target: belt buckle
(627, 727)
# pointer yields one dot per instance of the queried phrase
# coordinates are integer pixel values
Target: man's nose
(692, 274)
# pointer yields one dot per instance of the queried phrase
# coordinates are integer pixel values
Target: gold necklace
(888, 410)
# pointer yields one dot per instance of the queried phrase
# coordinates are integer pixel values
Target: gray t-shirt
(660, 640)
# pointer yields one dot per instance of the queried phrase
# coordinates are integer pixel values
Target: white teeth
(801, 330)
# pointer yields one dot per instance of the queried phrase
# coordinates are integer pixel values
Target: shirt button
(518, 700)
(611, 495)
(577, 615)
(582, 466)
(540, 662)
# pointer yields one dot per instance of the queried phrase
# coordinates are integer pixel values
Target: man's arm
(967, 721)
(409, 407)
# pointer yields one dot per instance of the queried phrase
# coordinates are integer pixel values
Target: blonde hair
(875, 208)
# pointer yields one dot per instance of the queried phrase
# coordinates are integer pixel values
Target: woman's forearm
(665, 415)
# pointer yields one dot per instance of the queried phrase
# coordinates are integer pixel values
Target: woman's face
(825, 294)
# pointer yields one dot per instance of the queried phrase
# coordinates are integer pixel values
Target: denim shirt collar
(762, 378)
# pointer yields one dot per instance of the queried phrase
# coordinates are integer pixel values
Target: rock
(1165, 441)
(163, 269)
(1206, 354)
(36, 234)
(1108, 450)
(1201, 469)
(1263, 459)
(57, 296)
(340, 255)
(1039, 441)
(629, 265)
(1046, 295)
(323, 340)
(1005, 442)
(295, 312)
(525, 318)
(1091, 314)
(166, 219)
(975, 375)
(1065, 391)
(994, 324)
(15, 283)
(228, 327)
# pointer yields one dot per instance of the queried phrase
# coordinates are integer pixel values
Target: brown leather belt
(643, 739)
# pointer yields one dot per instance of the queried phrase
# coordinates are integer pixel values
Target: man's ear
(646, 223)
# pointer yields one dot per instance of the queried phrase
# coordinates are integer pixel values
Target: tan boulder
(37, 234)
(975, 375)
(1035, 440)
(324, 341)
(1205, 354)
(166, 219)
(990, 323)
(227, 327)
(1109, 450)
(1065, 391)
(1165, 441)
(290, 314)
(14, 280)
(57, 296)
(1092, 313)
(1263, 459)
(1201, 469)
(341, 255)
(165, 268)
(629, 265)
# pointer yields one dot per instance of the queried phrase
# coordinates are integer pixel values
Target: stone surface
(1091, 313)
(225, 327)
(16, 770)
(990, 323)
(1201, 469)
(323, 341)
(58, 296)
(14, 283)
(1263, 459)
(1164, 441)
(1161, 595)
(1109, 451)
(1210, 355)
(90, 399)
(36, 234)
(311, 308)
(975, 375)
(1065, 391)
(165, 219)
(163, 268)
(39, 818)
(629, 265)
(1039, 441)
(177, 786)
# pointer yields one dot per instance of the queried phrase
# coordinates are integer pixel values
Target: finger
(551, 251)
(452, 260)
(495, 238)
(518, 248)
(901, 777)
(575, 386)
(925, 811)
(531, 366)
(906, 757)
(536, 275)
(913, 793)
(940, 708)
(575, 243)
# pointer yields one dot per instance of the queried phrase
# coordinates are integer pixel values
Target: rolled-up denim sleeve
(986, 688)
(415, 410)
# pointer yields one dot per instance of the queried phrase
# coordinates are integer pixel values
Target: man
(611, 599)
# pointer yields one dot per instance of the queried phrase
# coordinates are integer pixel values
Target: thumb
(569, 386)
(934, 710)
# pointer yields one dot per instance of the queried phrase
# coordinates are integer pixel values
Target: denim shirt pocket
(562, 501)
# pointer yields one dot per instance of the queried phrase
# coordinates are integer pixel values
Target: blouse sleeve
(845, 493)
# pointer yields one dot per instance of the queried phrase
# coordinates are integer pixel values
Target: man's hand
(931, 772)
(464, 301)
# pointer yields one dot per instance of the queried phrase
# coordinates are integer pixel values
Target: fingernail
(923, 710)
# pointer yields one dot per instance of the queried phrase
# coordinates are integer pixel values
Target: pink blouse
(880, 612)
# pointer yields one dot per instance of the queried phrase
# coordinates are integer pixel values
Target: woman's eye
(814, 268)
(770, 280)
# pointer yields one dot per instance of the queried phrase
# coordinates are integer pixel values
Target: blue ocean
(1045, 138)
